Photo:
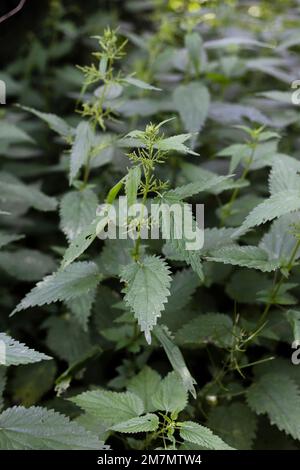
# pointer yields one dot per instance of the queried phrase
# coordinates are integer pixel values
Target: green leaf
(190, 189)
(200, 435)
(184, 284)
(194, 45)
(26, 265)
(277, 205)
(144, 385)
(215, 238)
(81, 148)
(78, 345)
(32, 381)
(175, 142)
(77, 211)
(16, 353)
(109, 407)
(146, 423)
(176, 358)
(115, 255)
(109, 91)
(6, 238)
(279, 242)
(284, 176)
(170, 395)
(140, 84)
(83, 240)
(246, 256)
(55, 123)
(76, 280)
(36, 428)
(182, 233)
(14, 190)
(146, 290)
(237, 152)
(278, 396)
(235, 423)
(206, 328)
(192, 103)
(199, 175)
(81, 307)
(132, 183)
(13, 134)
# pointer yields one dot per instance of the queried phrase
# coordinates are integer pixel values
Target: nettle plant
(120, 309)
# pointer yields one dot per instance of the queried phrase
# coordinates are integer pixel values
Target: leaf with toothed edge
(146, 423)
(37, 428)
(146, 290)
(77, 279)
(16, 353)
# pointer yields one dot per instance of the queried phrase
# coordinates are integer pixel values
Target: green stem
(136, 251)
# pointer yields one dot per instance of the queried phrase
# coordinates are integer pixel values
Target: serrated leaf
(146, 290)
(215, 238)
(170, 395)
(279, 241)
(82, 241)
(132, 183)
(81, 148)
(176, 358)
(15, 353)
(235, 423)
(206, 328)
(77, 211)
(278, 396)
(190, 189)
(55, 123)
(76, 280)
(144, 385)
(78, 345)
(140, 84)
(37, 428)
(115, 255)
(176, 142)
(277, 205)
(199, 175)
(192, 103)
(284, 176)
(110, 407)
(200, 435)
(184, 284)
(14, 190)
(146, 423)
(81, 307)
(246, 256)
(182, 233)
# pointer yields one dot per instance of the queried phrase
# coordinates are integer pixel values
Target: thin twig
(13, 12)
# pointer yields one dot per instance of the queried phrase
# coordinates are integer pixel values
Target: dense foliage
(145, 344)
